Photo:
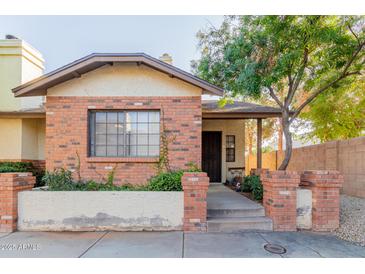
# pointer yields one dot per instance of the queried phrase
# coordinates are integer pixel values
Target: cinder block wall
(346, 156)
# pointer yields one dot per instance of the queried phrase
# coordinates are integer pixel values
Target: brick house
(107, 111)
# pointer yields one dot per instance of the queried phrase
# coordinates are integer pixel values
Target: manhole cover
(276, 249)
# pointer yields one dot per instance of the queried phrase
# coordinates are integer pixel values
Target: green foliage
(61, 180)
(23, 167)
(292, 59)
(338, 114)
(167, 181)
(257, 189)
(253, 183)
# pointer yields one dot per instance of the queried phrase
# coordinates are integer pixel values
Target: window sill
(122, 159)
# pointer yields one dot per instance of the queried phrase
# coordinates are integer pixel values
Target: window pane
(112, 140)
(100, 128)
(100, 117)
(112, 117)
(154, 139)
(112, 128)
(131, 117)
(154, 117)
(142, 139)
(132, 128)
(154, 150)
(142, 150)
(100, 139)
(121, 139)
(121, 117)
(142, 117)
(142, 128)
(132, 150)
(131, 139)
(120, 128)
(120, 151)
(100, 151)
(154, 128)
(112, 150)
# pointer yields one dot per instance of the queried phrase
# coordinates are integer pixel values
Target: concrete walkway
(222, 197)
(172, 245)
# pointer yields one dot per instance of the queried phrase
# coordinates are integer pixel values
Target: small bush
(167, 181)
(59, 180)
(246, 185)
(253, 184)
(23, 167)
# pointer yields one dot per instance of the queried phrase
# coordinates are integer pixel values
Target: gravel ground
(352, 220)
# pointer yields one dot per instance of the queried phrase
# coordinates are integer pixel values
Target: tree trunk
(280, 136)
(288, 141)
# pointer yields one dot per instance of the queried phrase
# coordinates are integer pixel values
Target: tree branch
(298, 78)
(272, 94)
(343, 75)
(354, 34)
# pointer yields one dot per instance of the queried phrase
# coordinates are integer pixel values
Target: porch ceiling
(237, 110)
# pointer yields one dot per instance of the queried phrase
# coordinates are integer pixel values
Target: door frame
(220, 152)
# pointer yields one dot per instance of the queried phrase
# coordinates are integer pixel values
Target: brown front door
(212, 154)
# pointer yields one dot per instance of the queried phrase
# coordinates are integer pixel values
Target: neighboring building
(22, 121)
(108, 111)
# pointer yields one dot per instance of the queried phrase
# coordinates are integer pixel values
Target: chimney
(166, 58)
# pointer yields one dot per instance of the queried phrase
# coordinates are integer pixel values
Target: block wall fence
(346, 156)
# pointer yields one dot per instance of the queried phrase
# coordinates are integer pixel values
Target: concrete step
(232, 224)
(247, 212)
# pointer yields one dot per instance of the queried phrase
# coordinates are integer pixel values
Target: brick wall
(195, 186)
(66, 135)
(10, 185)
(346, 156)
(280, 198)
(325, 187)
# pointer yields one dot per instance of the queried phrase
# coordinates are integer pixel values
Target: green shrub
(256, 187)
(59, 180)
(16, 167)
(246, 185)
(166, 181)
(23, 167)
(253, 183)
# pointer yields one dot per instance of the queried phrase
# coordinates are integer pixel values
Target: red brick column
(195, 186)
(280, 198)
(10, 185)
(325, 186)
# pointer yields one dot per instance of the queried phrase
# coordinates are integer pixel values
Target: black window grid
(127, 146)
(230, 148)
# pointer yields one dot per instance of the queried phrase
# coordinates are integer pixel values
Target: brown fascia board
(93, 61)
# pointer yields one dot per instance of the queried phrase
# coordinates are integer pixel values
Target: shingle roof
(237, 109)
(93, 61)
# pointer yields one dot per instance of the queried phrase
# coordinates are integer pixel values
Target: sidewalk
(172, 245)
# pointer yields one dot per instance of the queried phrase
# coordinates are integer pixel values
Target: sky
(63, 39)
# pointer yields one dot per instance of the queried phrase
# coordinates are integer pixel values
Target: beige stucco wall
(19, 63)
(33, 134)
(124, 80)
(10, 139)
(22, 139)
(229, 127)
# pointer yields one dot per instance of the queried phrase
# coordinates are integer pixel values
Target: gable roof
(93, 61)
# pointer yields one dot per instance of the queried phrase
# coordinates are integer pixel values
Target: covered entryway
(223, 138)
(211, 155)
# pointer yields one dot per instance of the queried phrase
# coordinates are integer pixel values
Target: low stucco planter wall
(99, 210)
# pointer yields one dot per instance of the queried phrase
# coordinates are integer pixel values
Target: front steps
(229, 212)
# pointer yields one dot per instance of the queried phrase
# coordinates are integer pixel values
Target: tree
(338, 114)
(297, 56)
